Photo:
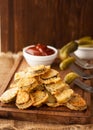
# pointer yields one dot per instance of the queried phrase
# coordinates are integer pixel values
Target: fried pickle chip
(52, 76)
(27, 83)
(9, 95)
(22, 97)
(26, 104)
(19, 75)
(37, 70)
(76, 103)
(51, 98)
(55, 88)
(51, 101)
(40, 97)
(14, 84)
(40, 87)
(64, 96)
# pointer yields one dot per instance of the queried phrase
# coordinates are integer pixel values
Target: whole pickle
(87, 44)
(66, 63)
(85, 40)
(70, 77)
(67, 49)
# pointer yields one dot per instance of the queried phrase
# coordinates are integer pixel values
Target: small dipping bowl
(34, 60)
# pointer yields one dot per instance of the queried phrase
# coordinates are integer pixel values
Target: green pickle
(66, 63)
(85, 41)
(70, 77)
(85, 38)
(67, 49)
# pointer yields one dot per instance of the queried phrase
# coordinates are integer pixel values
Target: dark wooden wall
(52, 22)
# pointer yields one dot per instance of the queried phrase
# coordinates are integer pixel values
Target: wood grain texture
(4, 25)
(52, 22)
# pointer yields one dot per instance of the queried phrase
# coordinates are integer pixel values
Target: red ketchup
(40, 50)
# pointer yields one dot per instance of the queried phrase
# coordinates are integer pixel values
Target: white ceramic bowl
(84, 53)
(33, 60)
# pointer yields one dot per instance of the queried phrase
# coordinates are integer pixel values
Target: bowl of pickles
(85, 48)
(82, 48)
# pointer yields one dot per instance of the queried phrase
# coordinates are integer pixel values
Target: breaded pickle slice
(51, 101)
(55, 88)
(52, 76)
(76, 103)
(37, 70)
(26, 104)
(9, 95)
(14, 84)
(40, 87)
(27, 83)
(51, 98)
(19, 75)
(64, 96)
(40, 97)
(22, 97)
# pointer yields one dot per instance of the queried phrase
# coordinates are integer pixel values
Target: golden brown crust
(37, 70)
(51, 101)
(27, 104)
(27, 83)
(64, 96)
(55, 88)
(9, 95)
(76, 103)
(19, 75)
(52, 76)
(22, 97)
(39, 97)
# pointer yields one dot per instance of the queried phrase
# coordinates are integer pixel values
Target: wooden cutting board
(58, 115)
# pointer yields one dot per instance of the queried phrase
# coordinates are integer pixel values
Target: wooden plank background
(52, 22)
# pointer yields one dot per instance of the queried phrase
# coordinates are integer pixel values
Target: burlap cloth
(6, 62)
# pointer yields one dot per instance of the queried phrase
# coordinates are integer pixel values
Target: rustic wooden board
(45, 114)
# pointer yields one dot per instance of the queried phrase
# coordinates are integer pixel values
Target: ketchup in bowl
(40, 50)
